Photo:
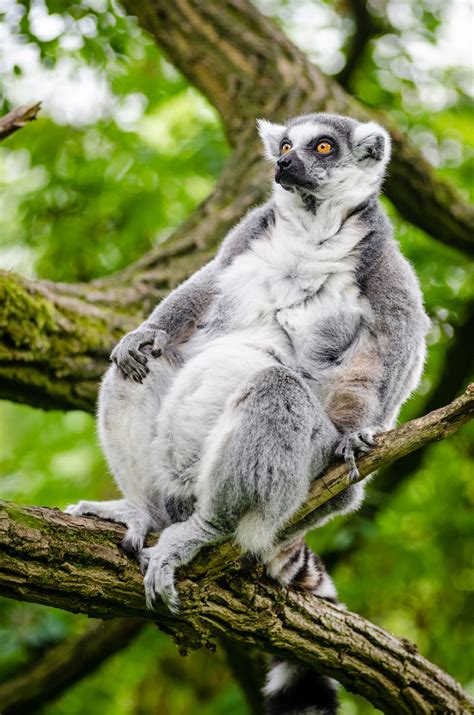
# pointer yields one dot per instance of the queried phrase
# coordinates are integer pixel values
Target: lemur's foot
(138, 522)
(178, 544)
(159, 569)
(361, 440)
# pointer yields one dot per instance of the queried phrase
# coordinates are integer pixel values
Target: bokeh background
(124, 150)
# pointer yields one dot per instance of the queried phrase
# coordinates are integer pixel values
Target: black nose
(284, 162)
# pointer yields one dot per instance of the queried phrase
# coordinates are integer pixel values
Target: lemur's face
(319, 153)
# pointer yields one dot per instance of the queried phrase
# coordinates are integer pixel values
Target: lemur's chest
(292, 281)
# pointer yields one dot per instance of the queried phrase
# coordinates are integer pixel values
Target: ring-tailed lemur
(301, 339)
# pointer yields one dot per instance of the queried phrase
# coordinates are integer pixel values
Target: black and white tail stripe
(291, 689)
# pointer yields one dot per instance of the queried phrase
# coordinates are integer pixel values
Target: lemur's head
(325, 156)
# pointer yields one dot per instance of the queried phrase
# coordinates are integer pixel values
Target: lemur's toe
(169, 596)
(71, 509)
(349, 458)
(144, 560)
(78, 509)
(159, 583)
(132, 544)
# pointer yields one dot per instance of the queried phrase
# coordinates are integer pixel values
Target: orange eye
(285, 148)
(324, 147)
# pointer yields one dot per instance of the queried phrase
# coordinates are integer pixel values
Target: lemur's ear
(372, 143)
(271, 136)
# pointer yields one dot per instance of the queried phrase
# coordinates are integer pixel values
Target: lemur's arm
(176, 316)
(171, 321)
(386, 366)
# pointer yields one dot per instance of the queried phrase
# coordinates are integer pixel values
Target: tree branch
(75, 563)
(248, 666)
(18, 118)
(55, 338)
(248, 68)
(366, 27)
(65, 664)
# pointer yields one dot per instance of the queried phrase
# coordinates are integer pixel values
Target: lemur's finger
(354, 474)
(368, 438)
(351, 463)
(157, 348)
(138, 356)
(170, 597)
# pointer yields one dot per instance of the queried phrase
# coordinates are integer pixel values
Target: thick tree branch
(18, 118)
(74, 563)
(247, 67)
(65, 664)
(55, 338)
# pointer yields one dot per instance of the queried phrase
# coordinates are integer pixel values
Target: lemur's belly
(196, 400)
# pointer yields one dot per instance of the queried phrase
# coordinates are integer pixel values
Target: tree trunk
(75, 563)
(247, 68)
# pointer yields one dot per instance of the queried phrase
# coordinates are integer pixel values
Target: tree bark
(65, 664)
(18, 118)
(75, 563)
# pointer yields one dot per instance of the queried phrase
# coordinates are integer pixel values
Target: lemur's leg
(255, 473)
(127, 420)
(291, 689)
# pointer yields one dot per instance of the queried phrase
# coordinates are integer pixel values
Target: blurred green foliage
(97, 182)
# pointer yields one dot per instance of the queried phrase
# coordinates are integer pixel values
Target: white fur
(325, 588)
(367, 131)
(122, 431)
(271, 135)
(279, 678)
(301, 272)
(301, 134)
(254, 534)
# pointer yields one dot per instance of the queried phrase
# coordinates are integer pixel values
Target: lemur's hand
(133, 351)
(361, 440)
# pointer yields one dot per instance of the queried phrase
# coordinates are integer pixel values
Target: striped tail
(292, 689)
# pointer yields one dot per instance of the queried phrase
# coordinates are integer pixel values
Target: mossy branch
(76, 563)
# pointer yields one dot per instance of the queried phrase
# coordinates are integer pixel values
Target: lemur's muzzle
(290, 171)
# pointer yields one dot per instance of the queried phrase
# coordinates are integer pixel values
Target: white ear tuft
(372, 144)
(271, 136)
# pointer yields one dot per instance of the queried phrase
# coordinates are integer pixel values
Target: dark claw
(138, 356)
(129, 548)
(349, 458)
(354, 474)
